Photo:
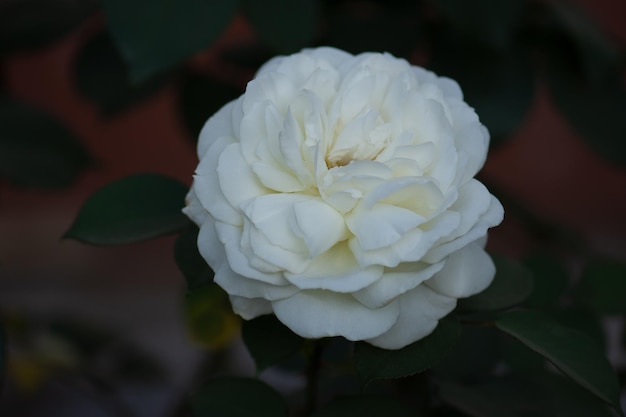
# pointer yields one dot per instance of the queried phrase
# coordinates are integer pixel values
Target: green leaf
(29, 24)
(196, 271)
(603, 286)
(237, 397)
(269, 341)
(572, 401)
(475, 356)
(375, 363)
(485, 21)
(131, 209)
(156, 35)
(571, 351)
(36, 150)
(375, 27)
(363, 405)
(200, 98)
(550, 281)
(583, 320)
(512, 284)
(499, 86)
(284, 25)
(497, 398)
(102, 76)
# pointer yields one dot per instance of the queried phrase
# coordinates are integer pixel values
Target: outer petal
(207, 188)
(396, 282)
(467, 272)
(218, 125)
(194, 209)
(420, 311)
(236, 180)
(492, 217)
(230, 236)
(249, 308)
(209, 246)
(235, 284)
(318, 313)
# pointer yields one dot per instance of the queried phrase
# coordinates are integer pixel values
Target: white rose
(338, 194)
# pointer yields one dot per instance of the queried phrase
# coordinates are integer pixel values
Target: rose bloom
(338, 194)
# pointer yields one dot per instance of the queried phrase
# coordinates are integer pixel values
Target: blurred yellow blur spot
(210, 319)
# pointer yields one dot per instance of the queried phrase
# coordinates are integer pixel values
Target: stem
(312, 376)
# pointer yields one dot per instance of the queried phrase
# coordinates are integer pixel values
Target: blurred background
(92, 91)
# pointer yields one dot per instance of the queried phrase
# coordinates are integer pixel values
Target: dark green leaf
(573, 352)
(237, 397)
(375, 363)
(28, 24)
(365, 27)
(572, 401)
(155, 35)
(36, 150)
(359, 406)
(200, 98)
(499, 86)
(550, 281)
(269, 341)
(102, 76)
(512, 284)
(132, 209)
(603, 286)
(520, 358)
(284, 25)
(501, 397)
(196, 271)
(485, 21)
(475, 355)
(583, 320)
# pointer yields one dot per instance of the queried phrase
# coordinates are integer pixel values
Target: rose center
(359, 140)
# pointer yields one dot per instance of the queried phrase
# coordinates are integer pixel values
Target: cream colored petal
(249, 308)
(336, 270)
(466, 272)
(420, 311)
(318, 313)
(395, 282)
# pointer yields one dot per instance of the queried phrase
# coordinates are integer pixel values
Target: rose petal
(318, 225)
(420, 311)
(193, 209)
(231, 236)
(381, 225)
(207, 188)
(466, 272)
(336, 270)
(218, 125)
(491, 218)
(318, 313)
(235, 284)
(396, 281)
(236, 180)
(249, 308)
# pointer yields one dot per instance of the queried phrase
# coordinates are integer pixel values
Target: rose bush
(338, 194)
